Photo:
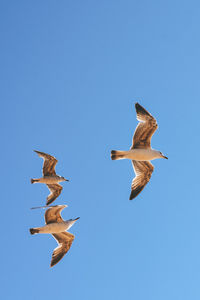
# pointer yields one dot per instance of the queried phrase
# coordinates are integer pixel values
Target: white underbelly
(141, 154)
(49, 179)
(54, 228)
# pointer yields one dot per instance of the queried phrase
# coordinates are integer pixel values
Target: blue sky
(71, 72)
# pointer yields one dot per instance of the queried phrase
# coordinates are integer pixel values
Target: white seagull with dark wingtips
(50, 178)
(56, 226)
(141, 152)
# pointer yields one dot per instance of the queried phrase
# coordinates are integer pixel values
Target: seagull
(57, 227)
(50, 178)
(141, 152)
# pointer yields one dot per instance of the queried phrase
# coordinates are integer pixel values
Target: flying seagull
(50, 178)
(141, 152)
(57, 227)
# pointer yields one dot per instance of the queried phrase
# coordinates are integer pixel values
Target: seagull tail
(117, 154)
(34, 180)
(34, 230)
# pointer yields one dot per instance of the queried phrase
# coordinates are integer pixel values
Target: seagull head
(63, 178)
(161, 155)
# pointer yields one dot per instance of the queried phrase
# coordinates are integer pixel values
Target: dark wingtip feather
(50, 201)
(141, 110)
(56, 259)
(36, 151)
(137, 105)
(135, 193)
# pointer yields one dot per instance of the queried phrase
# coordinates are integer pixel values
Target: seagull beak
(165, 157)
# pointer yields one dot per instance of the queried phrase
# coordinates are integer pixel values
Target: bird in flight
(56, 226)
(50, 178)
(141, 152)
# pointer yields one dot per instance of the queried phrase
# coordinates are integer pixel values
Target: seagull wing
(64, 240)
(55, 190)
(52, 214)
(49, 163)
(145, 129)
(143, 171)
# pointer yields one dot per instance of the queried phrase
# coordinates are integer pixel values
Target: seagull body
(56, 226)
(50, 178)
(141, 152)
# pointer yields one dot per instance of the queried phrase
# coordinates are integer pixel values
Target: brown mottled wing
(143, 171)
(49, 163)
(52, 214)
(145, 129)
(55, 190)
(64, 240)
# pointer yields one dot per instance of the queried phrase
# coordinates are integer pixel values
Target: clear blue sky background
(71, 72)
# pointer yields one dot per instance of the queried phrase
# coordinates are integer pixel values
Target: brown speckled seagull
(141, 152)
(56, 226)
(50, 178)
